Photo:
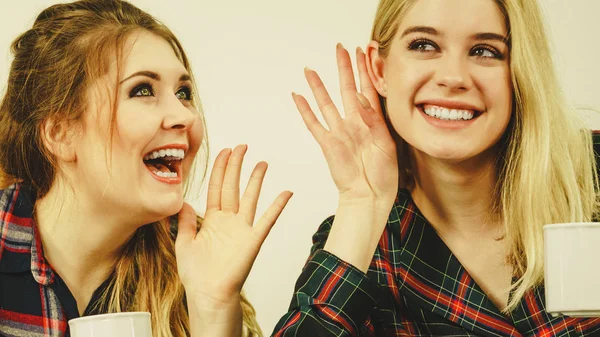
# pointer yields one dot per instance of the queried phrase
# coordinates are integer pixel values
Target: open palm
(359, 149)
(215, 261)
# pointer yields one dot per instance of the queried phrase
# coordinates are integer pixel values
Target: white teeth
(449, 114)
(178, 154)
(166, 174)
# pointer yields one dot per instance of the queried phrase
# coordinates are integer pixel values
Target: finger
(308, 116)
(230, 194)
(328, 109)
(186, 224)
(268, 219)
(376, 123)
(367, 88)
(252, 192)
(347, 82)
(216, 180)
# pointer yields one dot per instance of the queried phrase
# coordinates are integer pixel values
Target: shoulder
(596, 141)
(8, 194)
(596, 148)
(16, 228)
(16, 200)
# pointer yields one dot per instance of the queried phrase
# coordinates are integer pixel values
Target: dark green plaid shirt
(415, 286)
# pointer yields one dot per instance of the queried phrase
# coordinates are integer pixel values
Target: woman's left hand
(214, 262)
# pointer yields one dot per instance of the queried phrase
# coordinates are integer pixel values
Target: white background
(248, 56)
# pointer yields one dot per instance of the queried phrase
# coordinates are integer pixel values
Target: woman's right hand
(361, 156)
(359, 149)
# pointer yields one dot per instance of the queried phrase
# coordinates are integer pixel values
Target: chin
(446, 152)
(165, 208)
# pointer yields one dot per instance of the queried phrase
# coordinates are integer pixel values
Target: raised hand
(214, 262)
(359, 150)
(361, 155)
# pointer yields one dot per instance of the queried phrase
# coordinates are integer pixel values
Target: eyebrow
(154, 76)
(433, 31)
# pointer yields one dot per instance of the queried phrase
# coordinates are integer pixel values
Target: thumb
(374, 120)
(368, 114)
(186, 225)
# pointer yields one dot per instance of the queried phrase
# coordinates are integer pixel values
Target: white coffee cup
(123, 324)
(572, 269)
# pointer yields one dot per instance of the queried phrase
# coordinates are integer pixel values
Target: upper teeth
(176, 153)
(448, 114)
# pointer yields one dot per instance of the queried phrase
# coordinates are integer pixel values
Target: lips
(164, 163)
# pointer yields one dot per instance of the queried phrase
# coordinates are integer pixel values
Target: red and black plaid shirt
(34, 301)
(415, 286)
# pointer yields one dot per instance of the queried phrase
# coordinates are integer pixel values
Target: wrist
(210, 316)
(356, 231)
(209, 304)
(376, 204)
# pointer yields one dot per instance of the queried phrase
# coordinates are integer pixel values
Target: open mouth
(165, 164)
(445, 114)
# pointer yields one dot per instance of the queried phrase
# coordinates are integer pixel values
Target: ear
(60, 139)
(375, 65)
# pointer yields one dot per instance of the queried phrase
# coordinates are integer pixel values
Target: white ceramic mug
(572, 269)
(123, 324)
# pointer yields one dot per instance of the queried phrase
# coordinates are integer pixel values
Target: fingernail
(307, 69)
(339, 45)
(360, 50)
(363, 101)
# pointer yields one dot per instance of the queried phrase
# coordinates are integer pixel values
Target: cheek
(404, 78)
(497, 89)
(135, 125)
(403, 86)
(195, 136)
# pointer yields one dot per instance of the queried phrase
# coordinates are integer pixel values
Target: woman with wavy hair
(99, 130)
(456, 153)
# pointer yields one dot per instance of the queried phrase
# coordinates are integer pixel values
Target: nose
(178, 116)
(453, 74)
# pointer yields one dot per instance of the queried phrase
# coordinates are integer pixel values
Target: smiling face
(446, 78)
(157, 133)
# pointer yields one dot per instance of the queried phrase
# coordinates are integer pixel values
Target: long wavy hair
(68, 48)
(546, 167)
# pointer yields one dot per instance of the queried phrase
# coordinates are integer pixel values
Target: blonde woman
(442, 197)
(99, 129)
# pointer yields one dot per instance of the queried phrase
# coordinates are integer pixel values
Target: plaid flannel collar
(441, 284)
(21, 248)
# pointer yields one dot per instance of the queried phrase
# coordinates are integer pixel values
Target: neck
(456, 197)
(81, 240)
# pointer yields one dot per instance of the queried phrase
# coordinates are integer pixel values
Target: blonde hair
(67, 50)
(546, 164)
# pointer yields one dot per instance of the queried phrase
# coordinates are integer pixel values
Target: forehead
(146, 51)
(456, 16)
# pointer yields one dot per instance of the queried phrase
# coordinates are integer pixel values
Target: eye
(142, 90)
(486, 52)
(422, 45)
(184, 93)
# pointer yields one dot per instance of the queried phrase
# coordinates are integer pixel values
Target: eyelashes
(480, 50)
(147, 90)
(422, 45)
(484, 51)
